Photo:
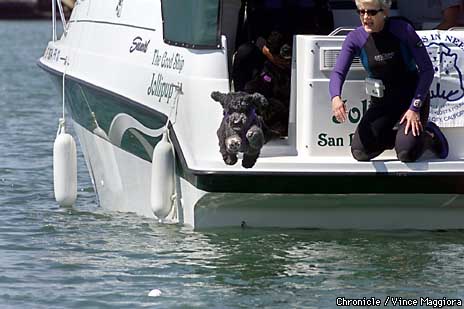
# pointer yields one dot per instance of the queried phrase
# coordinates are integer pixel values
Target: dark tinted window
(191, 23)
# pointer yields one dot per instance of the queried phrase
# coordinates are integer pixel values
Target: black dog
(241, 128)
(274, 83)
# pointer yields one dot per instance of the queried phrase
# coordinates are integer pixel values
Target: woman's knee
(407, 155)
(408, 147)
(360, 155)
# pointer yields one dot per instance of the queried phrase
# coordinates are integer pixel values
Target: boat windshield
(193, 23)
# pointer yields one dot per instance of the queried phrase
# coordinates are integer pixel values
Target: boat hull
(122, 183)
(332, 211)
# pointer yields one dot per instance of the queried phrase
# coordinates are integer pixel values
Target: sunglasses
(369, 12)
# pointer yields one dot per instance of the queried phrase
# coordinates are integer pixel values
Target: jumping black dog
(241, 128)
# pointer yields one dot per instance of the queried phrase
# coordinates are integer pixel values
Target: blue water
(85, 257)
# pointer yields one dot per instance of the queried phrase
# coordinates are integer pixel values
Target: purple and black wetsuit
(396, 56)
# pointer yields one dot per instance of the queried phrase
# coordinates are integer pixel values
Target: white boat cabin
(312, 129)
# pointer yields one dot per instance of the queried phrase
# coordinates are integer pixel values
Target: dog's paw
(255, 137)
(249, 161)
(233, 144)
(230, 159)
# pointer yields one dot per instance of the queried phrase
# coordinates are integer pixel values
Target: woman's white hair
(384, 4)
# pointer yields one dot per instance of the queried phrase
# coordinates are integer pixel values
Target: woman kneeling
(394, 56)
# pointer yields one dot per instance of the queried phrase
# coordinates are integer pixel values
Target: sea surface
(86, 257)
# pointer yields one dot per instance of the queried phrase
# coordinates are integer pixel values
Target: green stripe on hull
(330, 183)
(86, 104)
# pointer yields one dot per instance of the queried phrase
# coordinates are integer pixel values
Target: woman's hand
(278, 61)
(339, 109)
(413, 122)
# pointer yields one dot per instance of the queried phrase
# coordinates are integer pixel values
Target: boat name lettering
(324, 140)
(173, 61)
(354, 114)
(139, 45)
(161, 89)
(52, 54)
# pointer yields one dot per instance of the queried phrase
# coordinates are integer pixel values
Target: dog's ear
(219, 97)
(258, 100)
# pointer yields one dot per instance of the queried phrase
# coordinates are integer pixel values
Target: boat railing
(456, 29)
(63, 19)
(341, 31)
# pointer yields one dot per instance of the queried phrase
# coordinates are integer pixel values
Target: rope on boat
(64, 92)
(53, 21)
(174, 105)
(63, 19)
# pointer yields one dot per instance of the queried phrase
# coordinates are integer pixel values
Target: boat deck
(278, 156)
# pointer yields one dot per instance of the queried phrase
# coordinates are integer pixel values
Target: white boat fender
(162, 178)
(64, 168)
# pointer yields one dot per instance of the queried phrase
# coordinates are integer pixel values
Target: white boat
(131, 67)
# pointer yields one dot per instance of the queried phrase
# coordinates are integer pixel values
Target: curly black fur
(237, 131)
